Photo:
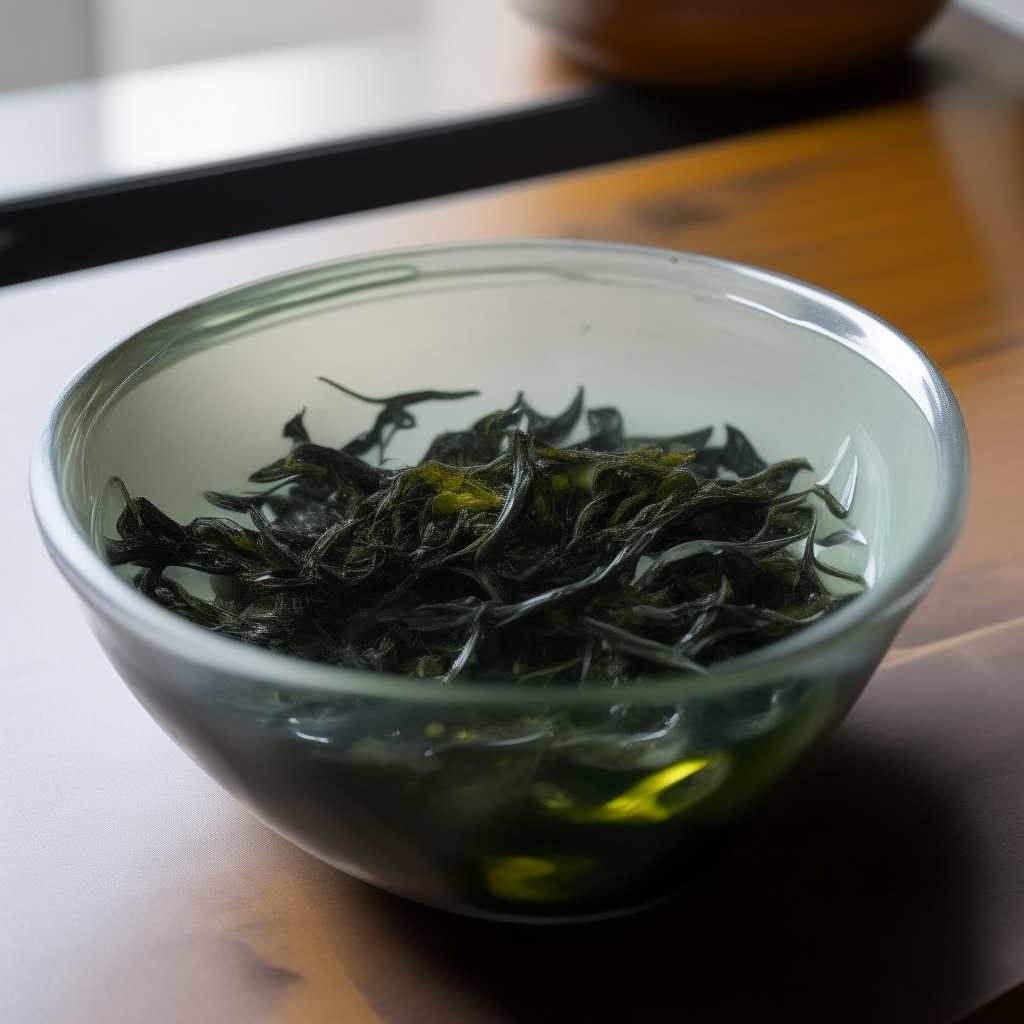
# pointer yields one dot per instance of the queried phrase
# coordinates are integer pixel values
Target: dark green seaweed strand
(504, 556)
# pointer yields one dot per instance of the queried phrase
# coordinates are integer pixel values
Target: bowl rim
(882, 343)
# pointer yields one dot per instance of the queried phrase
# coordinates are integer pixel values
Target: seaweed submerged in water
(506, 555)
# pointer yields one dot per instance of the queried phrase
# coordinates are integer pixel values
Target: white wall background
(1005, 13)
(136, 34)
(43, 41)
(46, 41)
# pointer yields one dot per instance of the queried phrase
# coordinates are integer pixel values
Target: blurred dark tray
(69, 230)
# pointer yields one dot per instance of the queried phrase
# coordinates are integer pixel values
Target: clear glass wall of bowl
(510, 801)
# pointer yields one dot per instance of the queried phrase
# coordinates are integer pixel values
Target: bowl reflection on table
(514, 802)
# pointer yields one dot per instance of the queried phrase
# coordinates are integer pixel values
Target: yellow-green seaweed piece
(457, 492)
(651, 800)
(536, 879)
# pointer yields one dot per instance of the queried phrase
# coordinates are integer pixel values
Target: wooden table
(136, 891)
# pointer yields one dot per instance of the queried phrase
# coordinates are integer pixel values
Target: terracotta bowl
(729, 42)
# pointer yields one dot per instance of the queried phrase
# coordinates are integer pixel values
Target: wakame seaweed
(506, 555)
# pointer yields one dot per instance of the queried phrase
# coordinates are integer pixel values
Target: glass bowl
(524, 803)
